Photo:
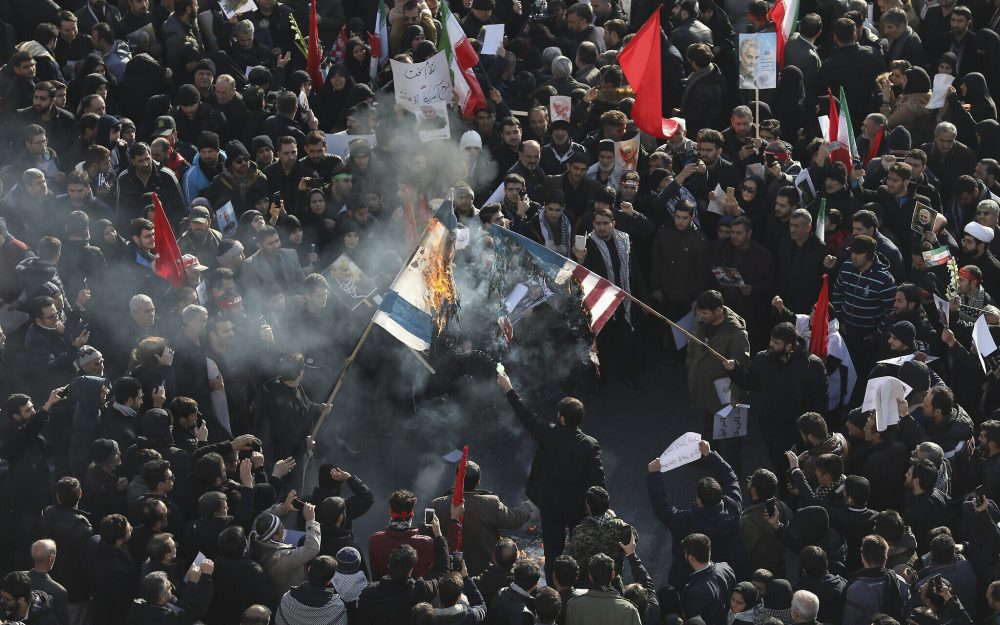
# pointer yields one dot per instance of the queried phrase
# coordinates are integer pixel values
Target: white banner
(731, 422)
(422, 84)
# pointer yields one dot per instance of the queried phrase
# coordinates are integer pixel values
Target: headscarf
(332, 109)
(977, 95)
(917, 81)
(988, 131)
(779, 595)
(752, 600)
(949, 58)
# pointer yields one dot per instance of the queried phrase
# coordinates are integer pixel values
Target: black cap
(208, 139)
(560, 124)
(188, 95)
(261, 141)
(208, 64)
(235, 149)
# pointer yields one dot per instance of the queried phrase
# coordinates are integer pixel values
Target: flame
(439, 279)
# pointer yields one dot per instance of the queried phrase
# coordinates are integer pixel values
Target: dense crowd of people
(156, 434)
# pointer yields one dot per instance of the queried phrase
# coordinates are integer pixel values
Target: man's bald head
(256, 615)
(43, 554)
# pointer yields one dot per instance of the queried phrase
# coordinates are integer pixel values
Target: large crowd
(157, 429)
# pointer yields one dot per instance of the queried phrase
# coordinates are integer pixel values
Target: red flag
(641, 62)
(876, 145)
(315, 50)
(819, 323)
(168, 255)
(458, 498)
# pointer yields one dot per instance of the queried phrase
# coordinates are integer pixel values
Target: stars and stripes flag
(600, 296)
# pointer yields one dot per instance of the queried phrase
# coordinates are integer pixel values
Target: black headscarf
(977, 96)
(988, 131)
(917, 81)
(333, 104)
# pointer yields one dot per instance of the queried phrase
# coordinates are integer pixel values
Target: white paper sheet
(492, 38)
(715, 205)
(882, 395)
(983, 340)
(724, 389)
(682, 451)
(899, 360)
(939, 92)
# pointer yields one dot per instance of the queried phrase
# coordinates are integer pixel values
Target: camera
(771, 505)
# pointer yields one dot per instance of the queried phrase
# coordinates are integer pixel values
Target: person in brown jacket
(726, 333)
(484, 516)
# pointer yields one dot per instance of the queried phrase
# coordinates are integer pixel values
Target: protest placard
(420, 84)
(731, 422)
(758, 60)
(680, 452)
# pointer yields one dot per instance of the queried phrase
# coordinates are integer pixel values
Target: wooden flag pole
(690, 336)
(756, 105)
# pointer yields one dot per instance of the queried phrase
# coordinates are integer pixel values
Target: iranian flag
(379, 40)
(785, 15)
(841, 131)
(461, 58)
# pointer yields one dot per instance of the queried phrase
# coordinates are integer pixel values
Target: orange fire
(438, 276)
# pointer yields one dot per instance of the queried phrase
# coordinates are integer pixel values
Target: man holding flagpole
(608, 253)
(852, 68)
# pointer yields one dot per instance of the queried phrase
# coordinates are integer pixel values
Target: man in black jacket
(784, 381)
(70, 528)
(852, 67)
(708, 588)
(716, 512)
(567, 463)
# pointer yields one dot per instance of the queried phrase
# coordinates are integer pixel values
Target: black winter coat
(116, 583)
(71, 530)
(567, 462)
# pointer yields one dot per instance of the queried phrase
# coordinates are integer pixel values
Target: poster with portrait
(758, 54)
(236, 7)
(432, 122)
(923, 218)
(354, 287)
(560, 107)
(627, 155)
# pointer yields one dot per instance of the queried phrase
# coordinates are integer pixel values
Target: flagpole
(756, 105)
(690, 336)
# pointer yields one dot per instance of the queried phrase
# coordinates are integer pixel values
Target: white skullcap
(979, 232)
(471, 139)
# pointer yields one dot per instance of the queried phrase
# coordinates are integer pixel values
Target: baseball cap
(200, 214)
(165, 125)
(190, 261)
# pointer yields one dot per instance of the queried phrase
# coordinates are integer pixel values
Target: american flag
(600, 296)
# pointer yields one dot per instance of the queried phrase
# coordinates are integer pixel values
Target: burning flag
(600, 297)
(421, 299)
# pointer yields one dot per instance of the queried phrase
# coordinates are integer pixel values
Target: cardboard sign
(420, 84)
(731, 422)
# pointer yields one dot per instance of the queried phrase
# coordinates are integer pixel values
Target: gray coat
(259, 277)
(285, 565)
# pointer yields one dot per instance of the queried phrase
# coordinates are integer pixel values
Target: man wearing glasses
(51, 350)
